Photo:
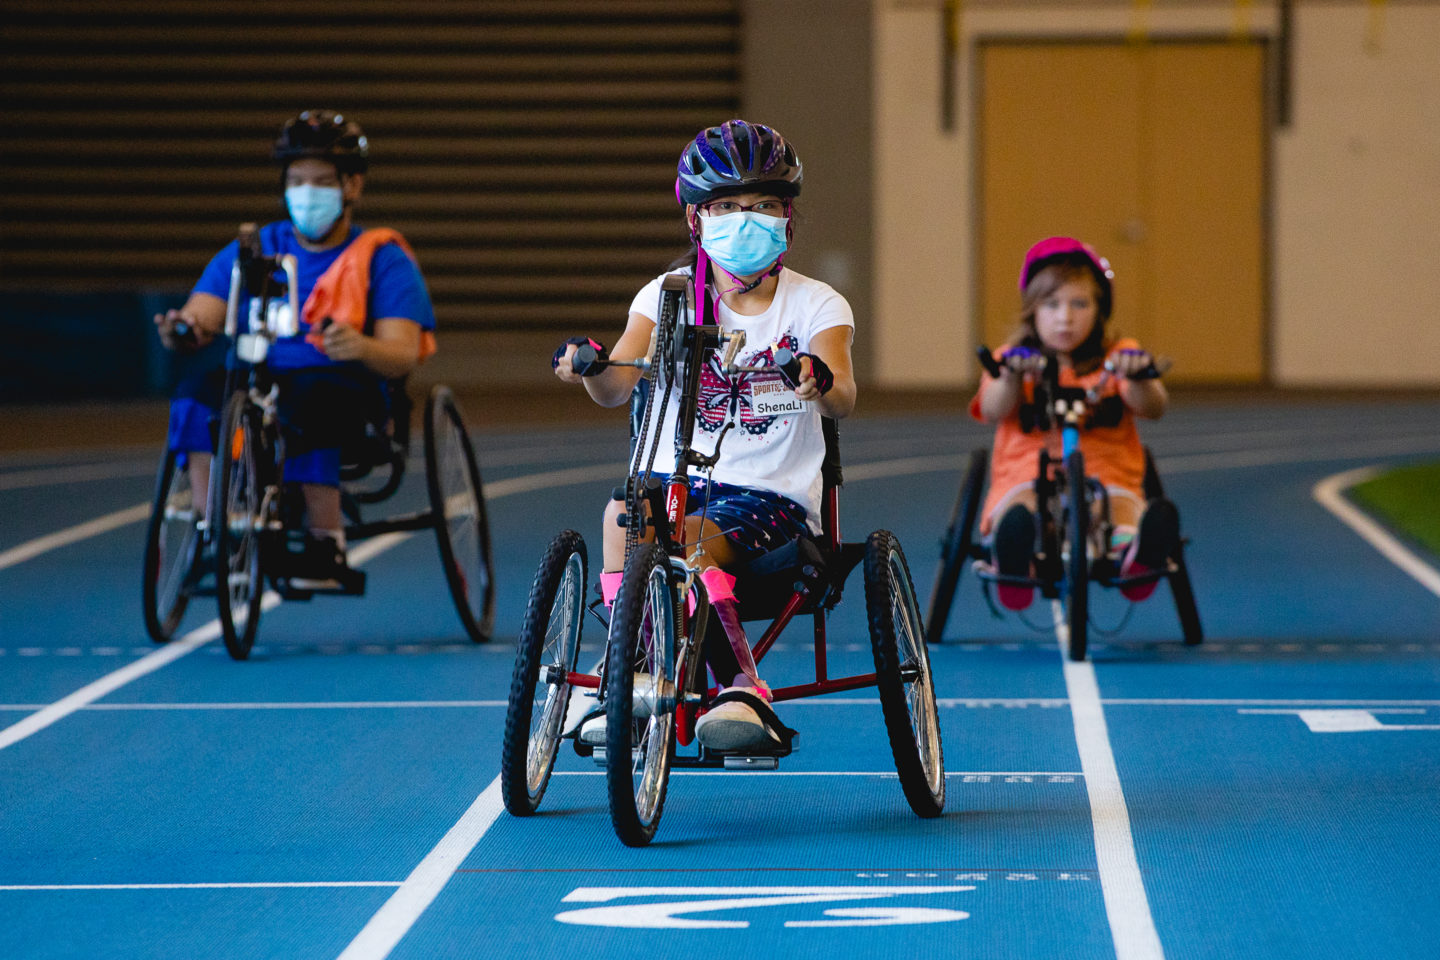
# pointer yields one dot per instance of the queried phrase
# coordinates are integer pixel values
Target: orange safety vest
(343, 291)
(1112, 453)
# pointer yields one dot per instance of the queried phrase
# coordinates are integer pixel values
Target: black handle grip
(789, 366)
(586, 361)
(185, 334)
(987, 360)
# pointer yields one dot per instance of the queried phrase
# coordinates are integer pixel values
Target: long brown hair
(1085, 358)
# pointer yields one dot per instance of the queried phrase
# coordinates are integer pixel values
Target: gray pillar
(805, 70)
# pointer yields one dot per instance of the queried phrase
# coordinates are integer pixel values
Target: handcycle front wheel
(902, 674)
(172, 547)
(1077, 564)
(547, 650)
(955, 547)
(236, 522)
(462, 527)
(640, 696)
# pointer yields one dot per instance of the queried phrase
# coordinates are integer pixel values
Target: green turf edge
(1407, 499)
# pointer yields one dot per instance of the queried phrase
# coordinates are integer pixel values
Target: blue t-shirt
(396, 287)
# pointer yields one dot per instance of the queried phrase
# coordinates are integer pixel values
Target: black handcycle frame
(247, 487)
(1066, 498)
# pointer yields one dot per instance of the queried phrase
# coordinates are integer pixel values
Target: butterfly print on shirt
(725, 398)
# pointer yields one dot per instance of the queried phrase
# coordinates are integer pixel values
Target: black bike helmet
(324, 134)
(737, 157)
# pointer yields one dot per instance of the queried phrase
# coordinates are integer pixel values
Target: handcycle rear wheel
(548, 648)
(1184, 594)
(640, 672)
(462, 527)
(237, 522)
(172, 542)
(902, 674)
(955, 547)
(1077, 564)
(1180, 587)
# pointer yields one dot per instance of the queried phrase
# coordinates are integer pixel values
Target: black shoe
(1155, 541)
(1014, 550)
(321, 566)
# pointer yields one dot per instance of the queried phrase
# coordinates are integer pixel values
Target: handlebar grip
(587, 362)
(789, 366)
(185, 335)
(987, 360)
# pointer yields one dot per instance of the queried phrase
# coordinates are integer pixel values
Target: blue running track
(1273, 793)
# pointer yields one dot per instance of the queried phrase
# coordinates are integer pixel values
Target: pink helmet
(1068, 249)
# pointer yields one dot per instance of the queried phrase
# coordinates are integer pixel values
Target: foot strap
(777, 730)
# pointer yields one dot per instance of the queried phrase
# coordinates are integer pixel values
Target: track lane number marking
(672, 913)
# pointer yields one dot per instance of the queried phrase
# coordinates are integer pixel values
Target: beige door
(1155, 155)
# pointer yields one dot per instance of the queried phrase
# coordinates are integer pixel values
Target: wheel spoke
(546, 723)
(914, 671)
(648, 759)
(462, 512)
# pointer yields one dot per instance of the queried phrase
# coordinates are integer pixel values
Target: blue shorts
(755, 521)
(321, 410)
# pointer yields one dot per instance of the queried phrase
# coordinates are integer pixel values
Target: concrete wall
(805, 69)
(1355, 210)
(1357, 202)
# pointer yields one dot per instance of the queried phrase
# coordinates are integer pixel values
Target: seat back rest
(766, 583)
(833, 478)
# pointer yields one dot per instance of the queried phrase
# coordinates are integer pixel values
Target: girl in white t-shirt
(737, 182)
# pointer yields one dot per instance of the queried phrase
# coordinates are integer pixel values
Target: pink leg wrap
(610, 585)
(720, 587)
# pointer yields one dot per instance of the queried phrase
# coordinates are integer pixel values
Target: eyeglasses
(719, 208)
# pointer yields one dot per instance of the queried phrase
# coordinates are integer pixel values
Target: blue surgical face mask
(314, 210)
(744, 243)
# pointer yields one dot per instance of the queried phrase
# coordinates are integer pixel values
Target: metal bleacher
(525, 147)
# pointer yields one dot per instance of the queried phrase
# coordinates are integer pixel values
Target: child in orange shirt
(1067, 298)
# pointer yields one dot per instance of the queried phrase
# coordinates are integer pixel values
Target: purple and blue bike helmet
(737, 157)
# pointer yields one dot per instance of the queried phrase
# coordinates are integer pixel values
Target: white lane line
(1161, 702)
(1126, 906)
(834, 773)
(306, 705)
(554, 478)
(55, 476)
(865, 471)
(61, 538)
(968, 704)
(141, 511)
(1198, 463)
(1329, 493)
(386, 928)
(263, 885)
(197, 638)
(111, 682)
(162, 656)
